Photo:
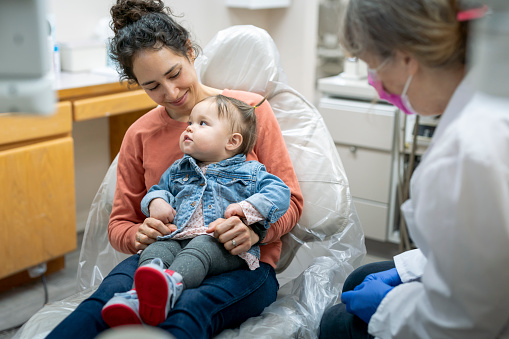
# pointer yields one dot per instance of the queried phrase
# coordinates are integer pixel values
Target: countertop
(72, 85)
(67, 80)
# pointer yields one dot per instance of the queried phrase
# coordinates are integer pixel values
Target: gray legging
(194, 259)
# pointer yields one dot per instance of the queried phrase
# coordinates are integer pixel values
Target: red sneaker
(122, 309)
(158, 290)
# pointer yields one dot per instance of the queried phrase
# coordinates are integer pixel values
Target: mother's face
(169, 79)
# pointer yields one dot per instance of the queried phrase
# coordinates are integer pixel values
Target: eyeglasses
(375, 70)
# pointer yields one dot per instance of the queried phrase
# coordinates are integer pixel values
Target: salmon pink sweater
(151, 145)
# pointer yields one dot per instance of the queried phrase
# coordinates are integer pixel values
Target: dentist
(456, 284)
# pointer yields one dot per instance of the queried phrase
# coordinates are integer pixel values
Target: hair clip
(260, 103)
(472, 14)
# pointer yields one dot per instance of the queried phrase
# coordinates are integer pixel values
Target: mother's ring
(234, 243)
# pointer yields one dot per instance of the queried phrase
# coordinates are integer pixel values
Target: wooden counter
(97, 95)
(38, 217)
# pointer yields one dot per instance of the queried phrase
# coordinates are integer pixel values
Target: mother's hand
(236, 236)
(149, 231)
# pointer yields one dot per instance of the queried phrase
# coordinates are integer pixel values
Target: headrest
(240, 57)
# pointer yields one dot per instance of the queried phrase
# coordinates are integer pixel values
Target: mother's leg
(222, 301)
(86, 321)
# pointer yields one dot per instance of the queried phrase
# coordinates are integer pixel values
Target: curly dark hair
(145, 24)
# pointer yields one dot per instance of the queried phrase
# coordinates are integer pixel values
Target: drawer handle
(353, 149)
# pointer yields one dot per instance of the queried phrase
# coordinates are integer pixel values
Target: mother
(156, 53)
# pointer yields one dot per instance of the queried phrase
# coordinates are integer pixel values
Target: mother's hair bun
(126, 12)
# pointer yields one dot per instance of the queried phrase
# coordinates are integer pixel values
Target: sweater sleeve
(130, 190)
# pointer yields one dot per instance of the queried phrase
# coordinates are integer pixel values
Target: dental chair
(317, 255)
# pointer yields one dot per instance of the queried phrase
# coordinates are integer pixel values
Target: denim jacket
(229, 181)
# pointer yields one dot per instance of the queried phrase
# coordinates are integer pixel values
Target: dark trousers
(221, 301)
(336, 321)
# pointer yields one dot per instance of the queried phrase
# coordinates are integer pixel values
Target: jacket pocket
(233, 190)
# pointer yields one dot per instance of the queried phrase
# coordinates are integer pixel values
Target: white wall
(77, 19)
(294, 30)
(204, 18)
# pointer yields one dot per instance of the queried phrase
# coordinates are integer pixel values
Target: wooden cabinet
(37, 176)
(37, 217)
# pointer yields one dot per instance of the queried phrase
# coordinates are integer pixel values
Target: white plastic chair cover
(318, 254)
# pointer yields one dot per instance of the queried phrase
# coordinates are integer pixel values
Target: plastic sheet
(97, 256)
(40, 324)
(322, 249)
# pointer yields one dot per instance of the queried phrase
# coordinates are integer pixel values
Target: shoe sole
(120, 315)
(152, 288)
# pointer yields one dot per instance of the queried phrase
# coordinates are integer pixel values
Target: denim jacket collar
(188, 160)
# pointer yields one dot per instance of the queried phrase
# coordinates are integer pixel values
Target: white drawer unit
(372, 216)
(364, 136)
(367, 171)
(359, 123)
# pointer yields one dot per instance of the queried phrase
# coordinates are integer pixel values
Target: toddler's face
(206, 136)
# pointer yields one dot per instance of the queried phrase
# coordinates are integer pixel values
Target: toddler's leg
(124, 308)
(158, 289)
(204, 256)
(165, 250)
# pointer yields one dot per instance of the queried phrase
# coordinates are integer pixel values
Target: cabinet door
(373, 217)
(368, 171)
(358, 123)
(37, 217)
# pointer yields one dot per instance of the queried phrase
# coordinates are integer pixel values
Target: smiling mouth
(180, 101)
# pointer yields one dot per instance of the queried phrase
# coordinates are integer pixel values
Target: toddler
(211, 181)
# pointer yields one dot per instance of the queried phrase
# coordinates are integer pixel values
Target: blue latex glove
(365, 298)
(390, 277)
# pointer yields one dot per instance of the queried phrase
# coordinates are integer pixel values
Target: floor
(20, 303)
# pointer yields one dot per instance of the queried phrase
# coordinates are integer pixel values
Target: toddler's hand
(171, 227)
(161, 210)
(234, 210)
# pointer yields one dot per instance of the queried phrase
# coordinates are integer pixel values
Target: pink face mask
(400, 101)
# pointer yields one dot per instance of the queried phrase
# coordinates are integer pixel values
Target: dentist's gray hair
(426, 29)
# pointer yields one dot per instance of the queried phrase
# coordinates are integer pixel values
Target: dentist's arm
(463, 290)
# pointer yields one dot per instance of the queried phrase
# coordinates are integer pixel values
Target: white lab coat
(458, 216)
